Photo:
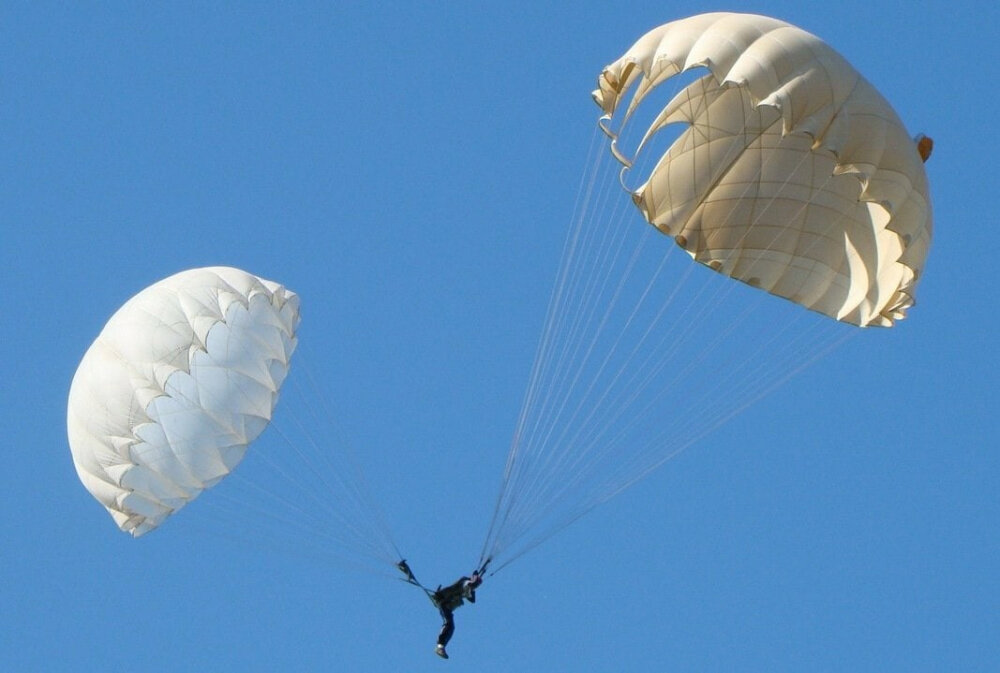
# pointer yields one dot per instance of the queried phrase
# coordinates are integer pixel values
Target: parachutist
(447, 600)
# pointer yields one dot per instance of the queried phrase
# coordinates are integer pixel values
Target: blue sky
(410, 171)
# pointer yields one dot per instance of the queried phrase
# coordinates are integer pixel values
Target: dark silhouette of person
(449, 599)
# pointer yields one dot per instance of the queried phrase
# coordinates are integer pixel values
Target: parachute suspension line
(566, 454)
(548, 364)
(235, 521)
(567, 457)
(609, 248)
(588, 352)
(572, 284)
(329, 520)
(337, 478)
(583, 198)
(313, 521)
(570, 251)
(548, 361)
(357, 484)
(315, 514)
(278, 524)
(311, 511)
(718, 411)
(581, 437)
(591, 454)
(593, 449)
(749, 399)
(753, 386)
(667, 335)
(585, 304)
(573, 301)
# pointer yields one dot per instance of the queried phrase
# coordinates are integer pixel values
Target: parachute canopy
(180, 380)
(794, 174)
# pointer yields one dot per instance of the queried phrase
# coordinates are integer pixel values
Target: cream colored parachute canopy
(795, 175)
(179, 381)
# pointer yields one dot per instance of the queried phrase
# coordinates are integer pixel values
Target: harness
(452, 597)
(447, 598)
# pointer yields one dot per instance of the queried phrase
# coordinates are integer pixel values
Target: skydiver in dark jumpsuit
(447, 600)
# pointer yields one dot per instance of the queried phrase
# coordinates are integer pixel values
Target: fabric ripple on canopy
(794, 173)
(181, 379)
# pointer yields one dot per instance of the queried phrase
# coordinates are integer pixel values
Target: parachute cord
(356, 523)
(516, 467)
(590, 293)
(553, 322)
(722, 420)
(531, 491)
(319, 521)
(583, 197)
(360, 488)
(312, 526)
(550, 362)
(337, 526)
(586, 505)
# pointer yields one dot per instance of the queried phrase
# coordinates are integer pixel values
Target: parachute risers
(794, 173)
(410, 578)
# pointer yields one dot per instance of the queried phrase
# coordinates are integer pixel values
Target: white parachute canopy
(794, 174)
(181, 379)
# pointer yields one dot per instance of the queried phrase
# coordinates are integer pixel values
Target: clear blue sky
(410, 171)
